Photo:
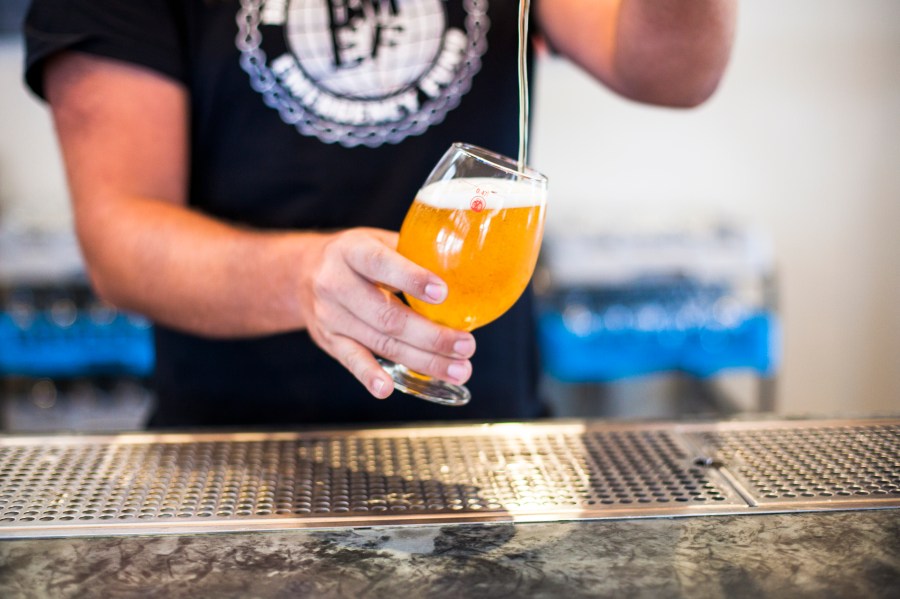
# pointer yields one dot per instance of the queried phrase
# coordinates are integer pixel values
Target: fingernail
(457, 372)
(464, 347)
(436, 291)
(377, 386)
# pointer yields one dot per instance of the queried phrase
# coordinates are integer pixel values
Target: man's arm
(123, 133)
(668, 52)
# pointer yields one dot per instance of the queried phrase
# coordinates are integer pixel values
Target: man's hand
(350, 311)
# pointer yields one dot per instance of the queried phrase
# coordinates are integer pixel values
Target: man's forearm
(670, 52)
(186, 270)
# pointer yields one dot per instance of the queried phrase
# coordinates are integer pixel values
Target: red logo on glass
(477, 204)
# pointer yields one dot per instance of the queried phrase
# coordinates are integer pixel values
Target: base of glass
(425, 387)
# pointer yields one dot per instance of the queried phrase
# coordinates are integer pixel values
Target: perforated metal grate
(816, 464)
(339, 475)
(177, 483)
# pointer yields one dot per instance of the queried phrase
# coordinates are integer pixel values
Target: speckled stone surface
(837, 554)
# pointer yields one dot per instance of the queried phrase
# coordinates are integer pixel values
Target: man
(237, 170)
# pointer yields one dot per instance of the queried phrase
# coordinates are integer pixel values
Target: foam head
(493, 194)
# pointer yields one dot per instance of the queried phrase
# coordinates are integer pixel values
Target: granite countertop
(834, 554)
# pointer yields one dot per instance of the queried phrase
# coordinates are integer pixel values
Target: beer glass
(477, 223)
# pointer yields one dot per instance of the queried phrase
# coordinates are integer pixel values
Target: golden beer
(482, 237)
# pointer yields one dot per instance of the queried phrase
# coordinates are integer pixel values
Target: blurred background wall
(802, 140)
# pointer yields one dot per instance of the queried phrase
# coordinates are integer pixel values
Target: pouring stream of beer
(524, 6)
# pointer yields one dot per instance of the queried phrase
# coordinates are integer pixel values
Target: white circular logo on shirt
(361, 71)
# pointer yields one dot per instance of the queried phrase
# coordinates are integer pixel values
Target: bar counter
(844, 554)
(583, 509)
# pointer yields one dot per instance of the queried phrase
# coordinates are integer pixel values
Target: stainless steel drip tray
(181, 483)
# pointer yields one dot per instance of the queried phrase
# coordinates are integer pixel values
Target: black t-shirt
(314, 115)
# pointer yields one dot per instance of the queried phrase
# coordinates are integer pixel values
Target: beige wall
(803, 139)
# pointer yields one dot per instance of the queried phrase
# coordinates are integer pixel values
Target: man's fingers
(362, 365)
(380, 263)
(390, 317)
(456, 369)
